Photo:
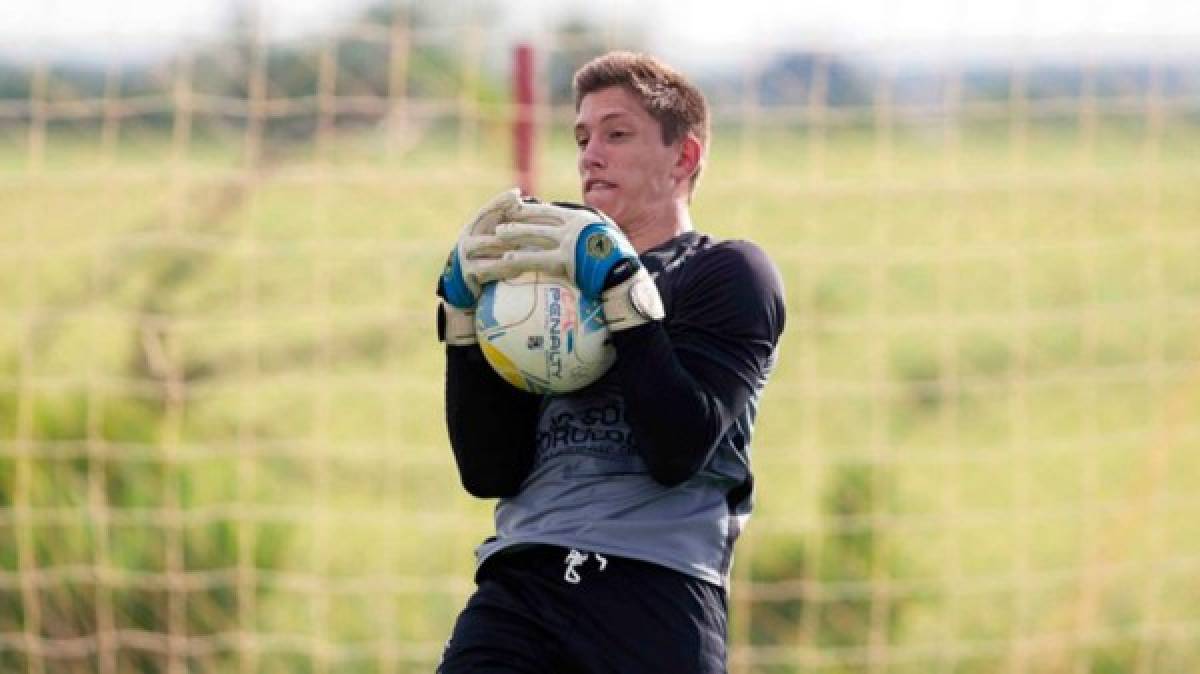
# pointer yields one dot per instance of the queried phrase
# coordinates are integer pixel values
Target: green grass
(980, 442)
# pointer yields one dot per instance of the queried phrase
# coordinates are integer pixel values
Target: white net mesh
(221, 436)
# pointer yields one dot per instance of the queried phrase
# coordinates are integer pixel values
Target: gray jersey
(589, 487)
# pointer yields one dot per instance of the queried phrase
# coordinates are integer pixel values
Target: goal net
(222, 445)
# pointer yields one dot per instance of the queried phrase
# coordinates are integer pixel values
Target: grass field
(221, 437)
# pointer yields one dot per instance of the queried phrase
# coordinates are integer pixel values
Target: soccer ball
(541, 335)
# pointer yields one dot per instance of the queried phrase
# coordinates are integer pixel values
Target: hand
(585, 246)
(568, 240)
(471, 263)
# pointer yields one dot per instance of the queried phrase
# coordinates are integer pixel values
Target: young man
(620, 503)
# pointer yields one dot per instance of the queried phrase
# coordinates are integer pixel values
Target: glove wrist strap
(459, 326)
(632, 302)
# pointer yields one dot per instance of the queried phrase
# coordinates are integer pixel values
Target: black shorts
(545, 609)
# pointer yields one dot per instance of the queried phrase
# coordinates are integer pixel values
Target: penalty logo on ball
(560, 329)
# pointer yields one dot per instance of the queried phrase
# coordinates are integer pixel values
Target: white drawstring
(576, 559)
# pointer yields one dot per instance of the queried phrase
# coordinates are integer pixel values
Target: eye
(617, 134)
(581, 142)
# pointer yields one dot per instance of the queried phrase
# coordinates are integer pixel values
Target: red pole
(523, 124)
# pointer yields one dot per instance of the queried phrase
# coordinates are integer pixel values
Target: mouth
(597, 184)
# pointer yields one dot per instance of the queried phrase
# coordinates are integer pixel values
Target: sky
(706, 31)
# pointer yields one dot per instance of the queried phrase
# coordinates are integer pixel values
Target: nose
(590, 155)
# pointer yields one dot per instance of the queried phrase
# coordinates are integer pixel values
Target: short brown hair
(665, 93)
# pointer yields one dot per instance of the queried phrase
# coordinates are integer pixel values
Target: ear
(690, 153)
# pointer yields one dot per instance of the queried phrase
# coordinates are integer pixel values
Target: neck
(661, 227)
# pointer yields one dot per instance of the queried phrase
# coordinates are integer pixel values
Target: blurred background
(221, 436)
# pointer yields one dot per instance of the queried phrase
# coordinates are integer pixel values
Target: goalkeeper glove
(472, 263)
(585, 246)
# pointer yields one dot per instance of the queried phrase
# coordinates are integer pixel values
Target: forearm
(492, 425)
(677, 406)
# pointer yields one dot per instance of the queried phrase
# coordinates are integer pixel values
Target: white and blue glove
(585, 246)
(473, 262)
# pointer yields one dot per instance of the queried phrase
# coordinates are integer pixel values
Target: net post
(523, 117)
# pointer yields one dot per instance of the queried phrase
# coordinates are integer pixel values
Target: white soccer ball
(540, 334)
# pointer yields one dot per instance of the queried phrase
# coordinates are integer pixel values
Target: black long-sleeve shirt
(677, 406)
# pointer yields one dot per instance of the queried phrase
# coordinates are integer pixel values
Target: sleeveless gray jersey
(590, 489)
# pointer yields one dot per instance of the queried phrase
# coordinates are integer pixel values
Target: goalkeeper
(619, 503)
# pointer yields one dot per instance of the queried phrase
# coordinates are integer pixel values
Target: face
(625, 169)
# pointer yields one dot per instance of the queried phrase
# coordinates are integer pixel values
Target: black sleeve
(492, 425)
(685, 381)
